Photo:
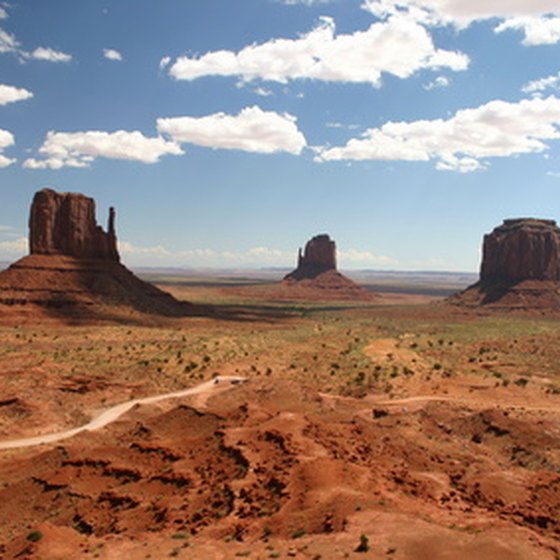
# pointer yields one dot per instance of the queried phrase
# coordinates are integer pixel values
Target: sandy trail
(115, 412)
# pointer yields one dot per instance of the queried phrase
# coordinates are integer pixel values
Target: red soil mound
(275, 463)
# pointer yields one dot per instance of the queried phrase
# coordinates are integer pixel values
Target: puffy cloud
(538, 86)
(496, 129)
(401, 47)
(48, 54)
(80, 149)
(462, 13)
(112, 54)
(6, 140)
(10, 94)
(538, 31)
(9, 44)
(252, 130)
(164, 62)
(538, 19)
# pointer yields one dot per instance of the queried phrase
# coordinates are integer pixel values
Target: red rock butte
(65, 224)
(520, 267)
(316, 274)
(319, 256)
(74, 265)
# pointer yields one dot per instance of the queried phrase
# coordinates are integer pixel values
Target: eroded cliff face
(521, 249)
(65, 224)
(319, 256)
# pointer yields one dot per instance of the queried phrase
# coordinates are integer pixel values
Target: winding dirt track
(115, 412)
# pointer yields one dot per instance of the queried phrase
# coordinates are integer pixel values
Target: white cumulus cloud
(496, 129)
(539, 20)
(6, 140)
(11, 94)
(112, 54)
(50, 55)
(80, 149)
(398, 46)
(537, 31)
(252, 130)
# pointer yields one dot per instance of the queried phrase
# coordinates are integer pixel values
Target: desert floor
(400, 428)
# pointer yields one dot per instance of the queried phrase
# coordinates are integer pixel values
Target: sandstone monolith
(520, 267)
(65, 224)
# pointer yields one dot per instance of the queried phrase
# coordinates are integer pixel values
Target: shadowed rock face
(319, 256)
(521, 249)
(65, 224)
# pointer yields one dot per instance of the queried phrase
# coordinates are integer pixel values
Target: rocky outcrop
(65, 224)
(319, 256)
(520, 267)
(316, 276)
(521, 249)
(74, 270)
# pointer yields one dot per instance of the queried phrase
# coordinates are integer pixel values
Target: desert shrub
(34, 536)
(363, 545)
(298, 533)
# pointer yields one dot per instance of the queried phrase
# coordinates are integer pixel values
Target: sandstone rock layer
(522, 249)
(520, 267)
(319, 256)
(64, 223)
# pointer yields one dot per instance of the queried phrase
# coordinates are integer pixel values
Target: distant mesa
(520, 267)
(74, 265)
(316, 274)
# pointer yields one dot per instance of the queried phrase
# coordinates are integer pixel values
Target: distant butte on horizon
(316, 273)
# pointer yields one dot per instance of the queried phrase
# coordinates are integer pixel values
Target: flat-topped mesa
(319, 256)
(65, 224)
(521, 249)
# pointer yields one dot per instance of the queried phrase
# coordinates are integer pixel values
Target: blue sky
(227, 133)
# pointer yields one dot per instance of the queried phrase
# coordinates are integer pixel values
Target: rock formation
(316, 276)
(74, 265)
(318, 257)
(522, 249)
(65, 224)
(520, 267)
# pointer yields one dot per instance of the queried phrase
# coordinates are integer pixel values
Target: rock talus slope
(74, 265)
